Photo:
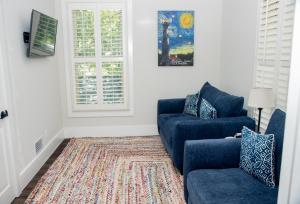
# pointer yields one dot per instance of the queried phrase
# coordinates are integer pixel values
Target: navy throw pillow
(207, 111)
(257, 156)
(191, 104)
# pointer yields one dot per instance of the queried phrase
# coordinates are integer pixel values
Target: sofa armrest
(244, 112)
(170, 105)
(210, 154)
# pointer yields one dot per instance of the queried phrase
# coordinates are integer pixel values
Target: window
(98, 64)
(273, 54)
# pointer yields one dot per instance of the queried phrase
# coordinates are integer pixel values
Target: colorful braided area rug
(111, 170)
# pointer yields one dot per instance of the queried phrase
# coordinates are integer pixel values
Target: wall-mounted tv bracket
(26, 37)
(3, 114)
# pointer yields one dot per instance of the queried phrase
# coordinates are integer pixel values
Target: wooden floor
(25, 193)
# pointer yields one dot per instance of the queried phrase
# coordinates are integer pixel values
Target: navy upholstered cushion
(257, 156)
(207, 111)
(276, 127)
(174, 117)
(168, 123)
(191, 104)
(228, 186)
(226, 105)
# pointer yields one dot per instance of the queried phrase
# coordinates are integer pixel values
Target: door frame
(289, 177)
(9, 124)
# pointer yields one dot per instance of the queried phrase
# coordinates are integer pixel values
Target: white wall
(152, 82)
(34, 85)
(238, 46)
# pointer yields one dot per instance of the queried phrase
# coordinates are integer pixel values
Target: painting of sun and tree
(175, 38)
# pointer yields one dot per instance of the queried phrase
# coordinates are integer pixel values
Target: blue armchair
(212, 174)
(175, 127)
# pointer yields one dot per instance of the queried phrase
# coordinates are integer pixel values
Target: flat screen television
(42, 36)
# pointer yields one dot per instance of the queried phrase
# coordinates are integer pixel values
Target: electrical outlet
(39, 146)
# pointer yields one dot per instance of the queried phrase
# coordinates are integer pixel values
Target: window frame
(97, 110)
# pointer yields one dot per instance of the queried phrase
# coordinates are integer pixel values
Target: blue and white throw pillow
(257, 156)
(247, 150)
(191, 104)
(264, 159)
(207, 111)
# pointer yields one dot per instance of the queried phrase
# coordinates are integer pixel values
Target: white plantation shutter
(111, 22)
(83, 33)
(85, 83)
(274, 40)
(98, 56)
(112, 54)
(288, 12)
(112, 82)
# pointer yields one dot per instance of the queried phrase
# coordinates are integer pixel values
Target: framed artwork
(175, 38)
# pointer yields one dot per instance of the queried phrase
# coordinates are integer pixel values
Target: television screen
(42, 35)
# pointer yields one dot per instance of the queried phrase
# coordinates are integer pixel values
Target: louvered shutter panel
(287, 25)
(266, 50)
(112, 55)
(267, 43)
(98, 57)
(111, 33)
(274, 51)
(83, 32)
(86, 83)
(112, 79)
(85, 79)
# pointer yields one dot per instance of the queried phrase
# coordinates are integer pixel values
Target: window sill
(96, 114)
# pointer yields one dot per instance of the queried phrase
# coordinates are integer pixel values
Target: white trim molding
(95, 114)
(34, 166)
(110, 131)
(289, 176)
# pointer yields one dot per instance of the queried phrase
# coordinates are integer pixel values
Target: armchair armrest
(213, 129)
(205, 129)
(170, 105)
(210, 154)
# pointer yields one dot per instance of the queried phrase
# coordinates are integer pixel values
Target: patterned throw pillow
(191, 103)
(247, 150)
(257, 156)
(207, 111)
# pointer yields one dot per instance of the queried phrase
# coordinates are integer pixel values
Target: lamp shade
(261, 98)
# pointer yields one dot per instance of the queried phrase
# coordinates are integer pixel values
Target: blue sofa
(175, 127)
(212, 174)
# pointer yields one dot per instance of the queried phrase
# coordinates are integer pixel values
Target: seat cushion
(234, 186)
(226, 105)
(168, 122)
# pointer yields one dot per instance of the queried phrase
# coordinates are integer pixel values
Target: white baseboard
(33, 167)
(110, 131)
(7, 195)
